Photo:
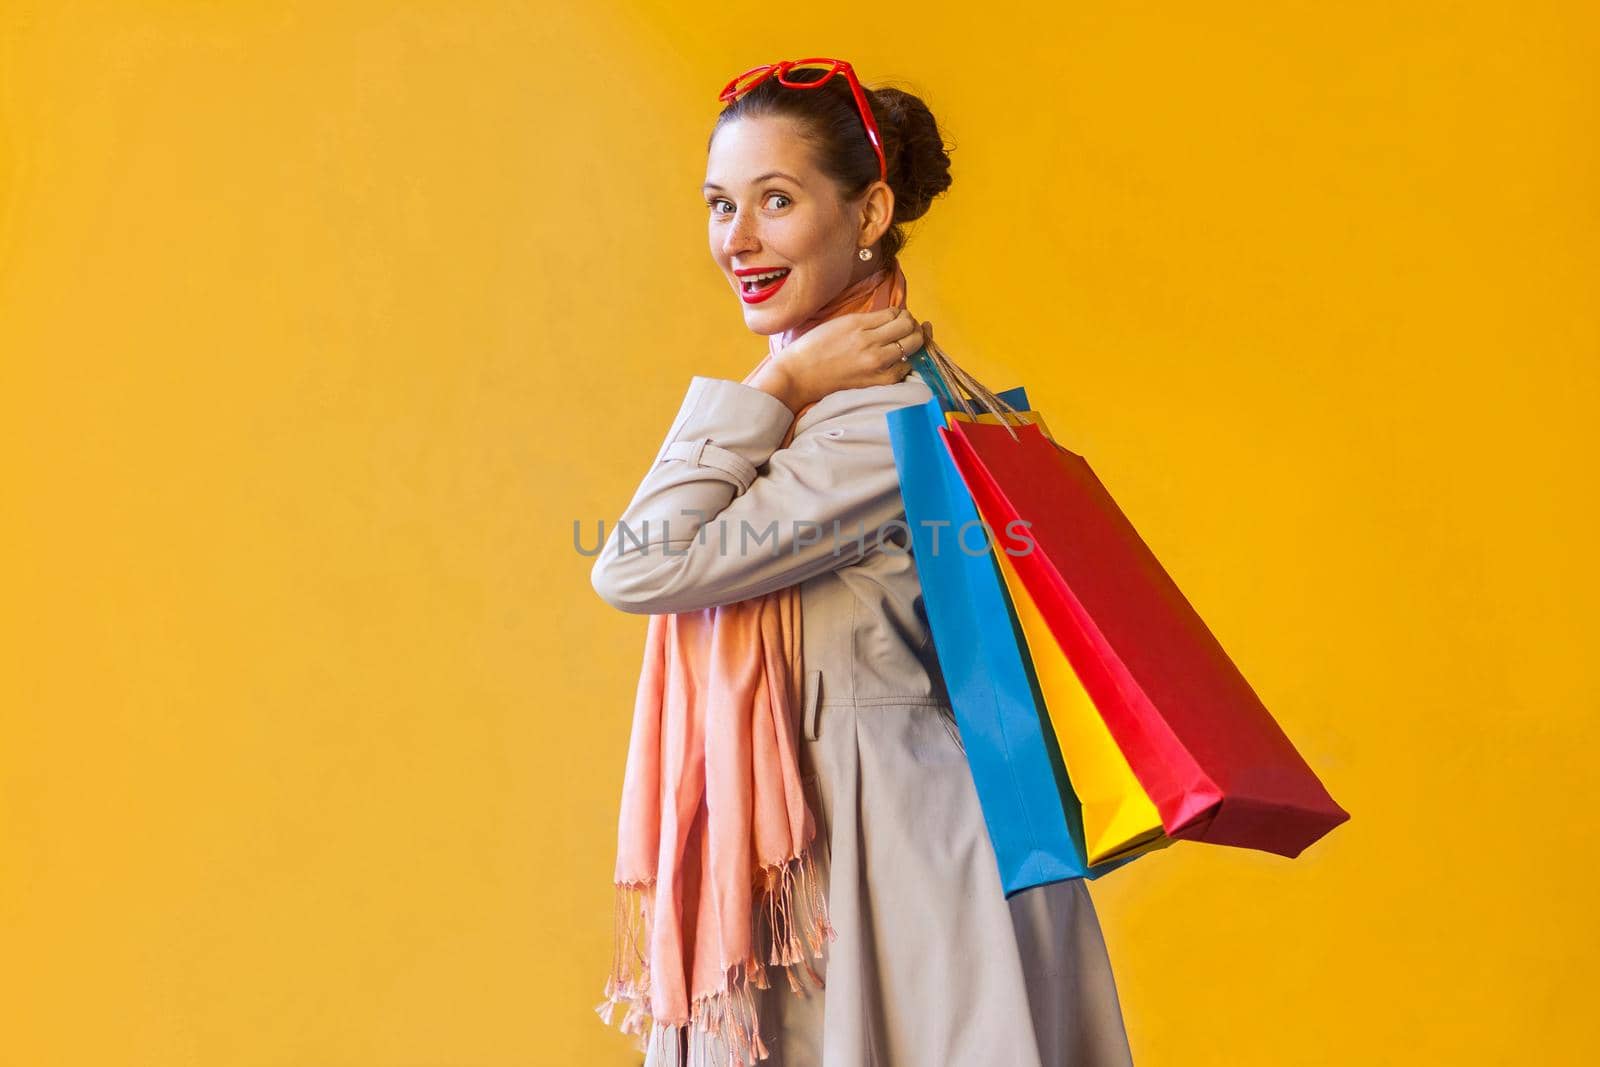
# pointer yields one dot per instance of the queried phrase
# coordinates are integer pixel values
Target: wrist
(774, 380)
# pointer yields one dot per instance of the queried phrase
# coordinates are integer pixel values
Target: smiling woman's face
(770, 209)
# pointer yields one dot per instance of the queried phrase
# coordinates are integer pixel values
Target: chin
(765, 325)
(768, 321)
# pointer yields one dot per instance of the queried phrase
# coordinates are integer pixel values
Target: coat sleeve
(724, 514)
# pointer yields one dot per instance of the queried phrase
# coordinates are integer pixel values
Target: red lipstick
(759, 295)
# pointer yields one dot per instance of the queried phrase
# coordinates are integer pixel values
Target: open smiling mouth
(759, 287)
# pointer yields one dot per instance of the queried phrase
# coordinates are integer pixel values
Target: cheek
(810, 241)
(824, 245)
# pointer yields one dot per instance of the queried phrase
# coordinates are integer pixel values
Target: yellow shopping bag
(1119, 818)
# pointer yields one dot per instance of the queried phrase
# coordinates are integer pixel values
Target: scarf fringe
(790, 899)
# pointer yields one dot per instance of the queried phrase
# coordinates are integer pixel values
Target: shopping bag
(1209, 755)
(1032, 816)
(1118, 816)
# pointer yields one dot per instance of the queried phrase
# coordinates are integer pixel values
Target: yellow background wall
(321, 323)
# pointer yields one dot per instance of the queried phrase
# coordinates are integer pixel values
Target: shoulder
(862, 410)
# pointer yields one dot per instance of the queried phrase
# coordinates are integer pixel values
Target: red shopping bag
(1211, 757)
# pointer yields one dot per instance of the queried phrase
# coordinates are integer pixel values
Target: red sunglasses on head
(756, 75)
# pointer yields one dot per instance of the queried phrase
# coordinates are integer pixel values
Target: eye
(714, 201)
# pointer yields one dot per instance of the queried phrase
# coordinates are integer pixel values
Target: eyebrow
(758, 178)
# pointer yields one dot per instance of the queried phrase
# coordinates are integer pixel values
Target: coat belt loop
(813, 703)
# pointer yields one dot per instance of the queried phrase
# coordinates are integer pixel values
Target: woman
(819, 638)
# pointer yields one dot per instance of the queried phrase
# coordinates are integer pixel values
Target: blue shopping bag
(1034, 820)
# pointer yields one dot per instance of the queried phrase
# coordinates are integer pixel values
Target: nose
(740, 236)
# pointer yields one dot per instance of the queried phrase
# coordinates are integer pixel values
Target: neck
(859, 294)
(862, 268)
(856, 285)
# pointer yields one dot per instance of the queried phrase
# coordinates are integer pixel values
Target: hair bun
(918, 158)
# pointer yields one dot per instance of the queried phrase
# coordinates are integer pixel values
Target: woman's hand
(845, 352)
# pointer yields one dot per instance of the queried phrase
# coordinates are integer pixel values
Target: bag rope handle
(942, 373)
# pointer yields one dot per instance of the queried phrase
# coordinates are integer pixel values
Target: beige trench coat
(933, 965)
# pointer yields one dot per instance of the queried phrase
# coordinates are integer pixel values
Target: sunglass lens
(749, 81)
(808, 72)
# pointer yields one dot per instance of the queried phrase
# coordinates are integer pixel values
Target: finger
(901, 349)
(864, 321)
(889, 323)
(896, 372)
(904, 328)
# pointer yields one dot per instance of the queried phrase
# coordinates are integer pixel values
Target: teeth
(758, 279)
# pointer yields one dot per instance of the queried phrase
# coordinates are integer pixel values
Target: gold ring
(902, 349)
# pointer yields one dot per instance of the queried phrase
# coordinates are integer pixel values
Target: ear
(877, 213)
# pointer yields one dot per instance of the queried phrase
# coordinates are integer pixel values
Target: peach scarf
(714, 837)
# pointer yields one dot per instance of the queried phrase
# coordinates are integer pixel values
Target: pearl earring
(865, 253)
